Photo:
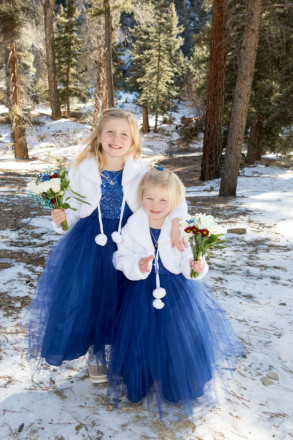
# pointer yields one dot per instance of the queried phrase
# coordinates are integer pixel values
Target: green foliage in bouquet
(48, 189)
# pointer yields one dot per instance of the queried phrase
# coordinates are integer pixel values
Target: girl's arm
(178, 214)
(128, 260)
(176, 239)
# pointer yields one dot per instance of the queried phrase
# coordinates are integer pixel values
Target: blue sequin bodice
(112, 196)
(155, 234)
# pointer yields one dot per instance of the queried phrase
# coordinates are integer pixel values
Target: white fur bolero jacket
(85, 179)
(137, 243)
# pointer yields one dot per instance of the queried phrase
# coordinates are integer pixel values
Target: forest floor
(252, 279)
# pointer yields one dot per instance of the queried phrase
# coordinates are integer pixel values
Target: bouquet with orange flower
(48, 189)
(200, 230)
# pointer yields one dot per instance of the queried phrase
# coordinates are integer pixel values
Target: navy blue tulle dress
(76, 300)
(177, 354)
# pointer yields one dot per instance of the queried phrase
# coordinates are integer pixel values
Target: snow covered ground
(252, 279)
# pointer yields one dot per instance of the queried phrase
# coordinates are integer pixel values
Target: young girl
(173, 339)
(77, 296)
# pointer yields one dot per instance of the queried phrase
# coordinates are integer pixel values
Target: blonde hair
(93, 146)
(166, 179)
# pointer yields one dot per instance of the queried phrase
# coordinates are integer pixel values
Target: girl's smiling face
(116, 138)
(155, 202)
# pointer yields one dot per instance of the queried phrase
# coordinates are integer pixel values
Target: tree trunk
(212, 144)
(7, 51)
(157, 88)
(254, 146)
(241, 99)
(105, 94)
(145, 120)
(155, 130)
(108, 50)
(186, 32)
(18, 125)
(51, 63)
(100, 92)
(67, 89)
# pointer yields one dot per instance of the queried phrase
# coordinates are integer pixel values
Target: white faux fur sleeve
(126, 258)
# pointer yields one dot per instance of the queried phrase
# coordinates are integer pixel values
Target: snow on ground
(252, 279)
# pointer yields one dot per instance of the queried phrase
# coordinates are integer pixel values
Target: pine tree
(140, 57)
(270, 117)
(195, 87)
(68, 47)
(155, 75)
(193, 15)
(177, 60)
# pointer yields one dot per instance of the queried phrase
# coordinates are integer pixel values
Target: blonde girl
(173, 339)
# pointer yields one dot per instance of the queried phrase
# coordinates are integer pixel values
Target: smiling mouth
(156, 212)
(115, 147)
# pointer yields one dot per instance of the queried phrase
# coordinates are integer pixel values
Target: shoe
(98, 374)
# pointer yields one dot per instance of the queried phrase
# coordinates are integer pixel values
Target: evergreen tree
(174, 42)
(153, 54)
(193, 15)
(68, 47)
(195, 87)
(140, 57)
(270, 115)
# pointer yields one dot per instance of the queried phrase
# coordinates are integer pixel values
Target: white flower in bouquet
(55, 184)
(44, 187)
(48, 189)
(33, 188)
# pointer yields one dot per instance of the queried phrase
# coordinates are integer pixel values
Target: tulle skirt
(179, 353)
(77, 297)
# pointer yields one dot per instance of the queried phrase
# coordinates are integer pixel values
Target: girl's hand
(58, 215)
(176, 239)
(143, 264)
(197, 266)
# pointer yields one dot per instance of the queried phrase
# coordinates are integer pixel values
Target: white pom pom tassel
(160, 292)
(116, 237)
(101, 239)
(158, 304)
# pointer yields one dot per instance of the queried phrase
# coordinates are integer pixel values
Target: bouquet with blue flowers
(48, 189)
